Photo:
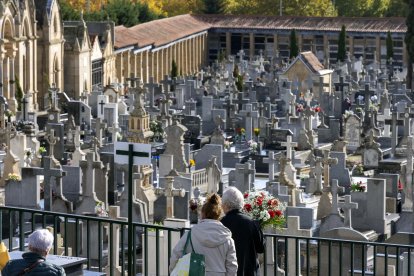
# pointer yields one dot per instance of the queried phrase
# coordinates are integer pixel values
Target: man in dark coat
(34, 262)
(246, 233)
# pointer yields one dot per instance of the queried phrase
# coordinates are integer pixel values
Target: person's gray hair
(232, 199)
(41, 241)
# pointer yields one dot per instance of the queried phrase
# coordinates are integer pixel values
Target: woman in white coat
(211, 239)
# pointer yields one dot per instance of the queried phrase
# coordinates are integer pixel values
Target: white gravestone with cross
(293, 247)
(325, 206)
(347, 207)
(170, 192)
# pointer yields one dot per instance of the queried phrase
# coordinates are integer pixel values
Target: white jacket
(213, 240)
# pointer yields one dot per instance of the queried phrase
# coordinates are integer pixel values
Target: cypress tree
(342, 45)
(390, 46)
(294, 48)
(213, 6)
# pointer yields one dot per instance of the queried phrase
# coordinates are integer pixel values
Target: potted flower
(264, 208)
(42, 151)
(100, 209)
(256, 131)
(226, 144)
(13, 177)
(252, 146)
(357, 187)
(194, 206)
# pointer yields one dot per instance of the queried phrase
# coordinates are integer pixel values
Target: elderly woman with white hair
(34, 262)
(246, 233)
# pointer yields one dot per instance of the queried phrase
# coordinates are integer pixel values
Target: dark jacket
(248, 238)
(14, 267)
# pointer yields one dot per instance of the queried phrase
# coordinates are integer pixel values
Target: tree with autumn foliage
(122, 12)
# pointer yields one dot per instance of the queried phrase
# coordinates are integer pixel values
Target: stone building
(310, 74)
(148, 49)
(192, 40)
(49, 58)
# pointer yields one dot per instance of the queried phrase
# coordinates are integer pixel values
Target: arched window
(131, 125)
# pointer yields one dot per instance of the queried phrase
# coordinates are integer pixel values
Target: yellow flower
(192, 162)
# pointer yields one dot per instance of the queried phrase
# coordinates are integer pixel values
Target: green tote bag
(191, 264)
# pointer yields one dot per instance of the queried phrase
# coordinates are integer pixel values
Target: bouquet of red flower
(264, 208)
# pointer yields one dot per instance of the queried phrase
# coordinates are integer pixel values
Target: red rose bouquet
(264, 208)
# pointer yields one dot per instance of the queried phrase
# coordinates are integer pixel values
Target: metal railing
(90, 237)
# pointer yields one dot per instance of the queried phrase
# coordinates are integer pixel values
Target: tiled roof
(311, 61)
(360, 24)
(159, 32)
(164, 31)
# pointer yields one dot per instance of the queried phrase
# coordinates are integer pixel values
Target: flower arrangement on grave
(227, 144)
(195, 204)
(119, 136)
(42, 150)
(156, 128)
(192, 163)
(373, 106)
(400, 186)
(358, 110)
(240, 132)
(359, 169)
(299, 107)
(256, 131)
(264, 208)
(100, 209)
(357, 187)
(13, 177)
(317, 109)
(252, 146)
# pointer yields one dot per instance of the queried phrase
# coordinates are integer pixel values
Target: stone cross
(367, 96)
(272, 161)
(133, 80)
(151, 85)
(325, 206)
(347, 207)
(275, 122)
(100, 127)
(52, 140)
(308, 113)
(170, 192)
(10, 132)
(53, 97)
(334, 188)
(114, 130)
(341, 85)
(115, 214)
(249, 113)
(289, 144)
(383, 117)
(293, 247)
(24, 103)
(84, 97)
(406, 116)
(327, 161)
(308, 97)
(102, 103)
(394, 122)
(51, 169)
(76, 138)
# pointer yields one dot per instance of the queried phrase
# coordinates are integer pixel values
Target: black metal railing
(103, 242)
